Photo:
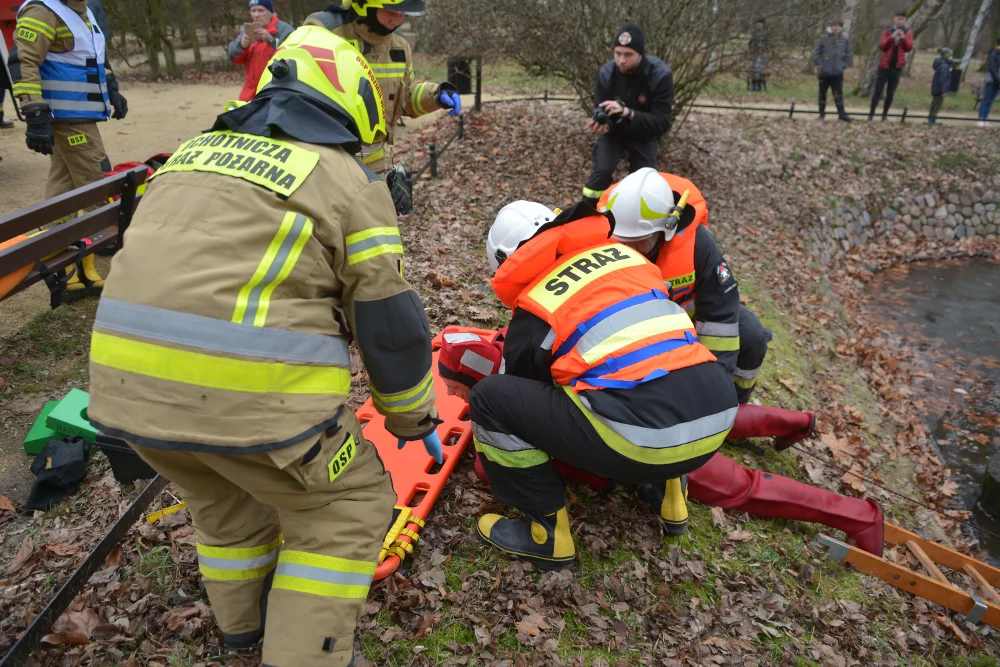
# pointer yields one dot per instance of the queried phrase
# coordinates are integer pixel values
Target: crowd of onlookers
(832, 55)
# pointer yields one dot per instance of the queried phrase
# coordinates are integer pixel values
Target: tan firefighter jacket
(225, 320)
(392, 61)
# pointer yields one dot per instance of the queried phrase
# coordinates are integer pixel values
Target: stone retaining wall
(845, 225)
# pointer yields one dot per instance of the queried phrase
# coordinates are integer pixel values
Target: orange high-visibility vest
(613, 324)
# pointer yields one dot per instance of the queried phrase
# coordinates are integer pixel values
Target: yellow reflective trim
(243, 298)
(415, 95)
(34, 25)
(594, 194)
(743, 383)
(327, 562)
(286, 269)
(526, 458)
(375, 252)
(203, 370)
(238, 552)
(720, 343)
(279, 166)
(554, 290)
(637, 332)
(217, 574)
(21, 88)
(664, 456)
(374, 157)
(299, 585)
(405, 401)
(368, 233)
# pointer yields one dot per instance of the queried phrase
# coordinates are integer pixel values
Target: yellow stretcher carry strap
(393, 545)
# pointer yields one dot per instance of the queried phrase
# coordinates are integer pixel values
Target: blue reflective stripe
(584, 327)
(613, 365)
(626, 384)
(75, 105)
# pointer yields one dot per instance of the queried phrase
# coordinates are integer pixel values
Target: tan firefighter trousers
(276, 522)
(77, 151)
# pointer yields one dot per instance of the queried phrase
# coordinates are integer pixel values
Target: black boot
(822, 110)
(5, 124)
(543, 541)
(841, 113)
(669, 502)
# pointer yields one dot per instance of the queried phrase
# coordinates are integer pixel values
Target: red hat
(467, 357)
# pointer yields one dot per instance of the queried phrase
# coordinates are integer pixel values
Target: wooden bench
(49, 252)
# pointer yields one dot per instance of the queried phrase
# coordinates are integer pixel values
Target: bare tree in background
(977, 25)
(571, 39)
(921, 15)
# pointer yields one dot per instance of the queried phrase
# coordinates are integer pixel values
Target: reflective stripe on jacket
(613, 325)
(73, 83)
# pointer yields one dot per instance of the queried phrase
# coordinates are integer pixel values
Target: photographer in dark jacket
(633, 105)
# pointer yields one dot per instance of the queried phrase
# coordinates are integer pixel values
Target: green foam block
(70, 416)
(40, 433)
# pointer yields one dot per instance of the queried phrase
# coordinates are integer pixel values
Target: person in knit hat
(941, 82)
(633, 107)
(256, 43)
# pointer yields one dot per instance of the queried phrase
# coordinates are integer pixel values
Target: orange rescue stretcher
(417, 479)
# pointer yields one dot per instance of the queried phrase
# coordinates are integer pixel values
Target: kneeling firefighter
(371, 26)
(220, 350)
(602, 371)
(466, 358)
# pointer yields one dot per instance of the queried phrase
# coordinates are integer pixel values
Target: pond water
(950, 312)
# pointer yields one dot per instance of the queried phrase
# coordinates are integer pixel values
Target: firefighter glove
(118, 101)
(432, 443)
(448, 98)
(38, 136)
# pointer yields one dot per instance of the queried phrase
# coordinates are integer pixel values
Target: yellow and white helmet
(641, 204)
(316, 63)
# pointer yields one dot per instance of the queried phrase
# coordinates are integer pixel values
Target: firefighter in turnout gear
(65, 87)
(466, 358)
(370, 25)
(692, 265)
(220, 350)
(602, 371)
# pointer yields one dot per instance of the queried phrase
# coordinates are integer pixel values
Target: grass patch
(956, 160)
(158, 566)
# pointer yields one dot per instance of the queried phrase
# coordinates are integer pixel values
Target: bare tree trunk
(192, 28)
(920, 16)
(977, 25)
(850, 12)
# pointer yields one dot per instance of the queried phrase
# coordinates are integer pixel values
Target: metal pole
(791, 110)
(461, 126)
(903, 119)
(546, 98)
(479, 83)
(433, 160)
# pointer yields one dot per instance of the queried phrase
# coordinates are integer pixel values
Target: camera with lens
(602, 117)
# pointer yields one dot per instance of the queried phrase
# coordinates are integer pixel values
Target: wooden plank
(35, 216)
(984, 585)
(942, 554)
(925, 560)
(56, 238)
(916, 583)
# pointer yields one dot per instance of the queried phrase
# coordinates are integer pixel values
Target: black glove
(118, 101)
(400, 182)
(38, 136)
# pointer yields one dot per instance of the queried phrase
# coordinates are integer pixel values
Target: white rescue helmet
(516, 222)
(641, 204)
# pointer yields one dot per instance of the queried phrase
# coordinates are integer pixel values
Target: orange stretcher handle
(415, 477)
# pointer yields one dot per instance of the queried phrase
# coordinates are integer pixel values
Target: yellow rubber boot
(543, 541)
(83, 281)
(670, 502)
(90, 274)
